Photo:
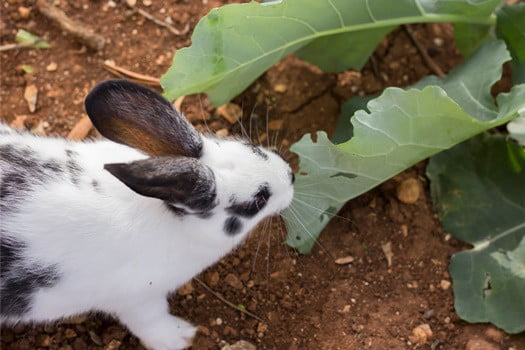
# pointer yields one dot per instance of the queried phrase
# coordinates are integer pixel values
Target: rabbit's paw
(169, 334)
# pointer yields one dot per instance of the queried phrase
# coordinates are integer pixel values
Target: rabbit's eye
(262, 196)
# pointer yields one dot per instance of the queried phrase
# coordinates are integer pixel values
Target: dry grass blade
(130, 75)
(81, 129)
(8, 47)
(229, 303)
(423, 52)
(79, 30)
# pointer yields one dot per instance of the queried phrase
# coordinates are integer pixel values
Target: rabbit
(115, 225)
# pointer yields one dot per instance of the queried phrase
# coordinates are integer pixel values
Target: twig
(126, 73)
(7, 47)
(178, 102)
(423, 52)
(159, 22)
(81, 129)
(230, 304)
(79, 30)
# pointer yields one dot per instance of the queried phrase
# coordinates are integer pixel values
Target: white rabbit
(114, 226)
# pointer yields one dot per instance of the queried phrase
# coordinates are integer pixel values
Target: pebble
(408, 191)
(230, 111)
(147, 3)
(113, 345)
(480, 344)
(494, 334)
(69, 333)
(24, 12)
(233, 281)
(281, 88)
(186, 289)
(31, 95)
(240, 345)
(438, 42)
(444, 284)
(421, 334)
(218, 321)
(131, 3)
(52, 67)
(212, 278)
(344, 260)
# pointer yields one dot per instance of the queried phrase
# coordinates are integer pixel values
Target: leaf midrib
(427, 18)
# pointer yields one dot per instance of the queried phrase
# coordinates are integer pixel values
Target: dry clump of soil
(394, 291)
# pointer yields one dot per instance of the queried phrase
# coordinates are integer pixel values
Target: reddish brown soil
(307, 302)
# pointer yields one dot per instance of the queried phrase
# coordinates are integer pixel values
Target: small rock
(240, 345)
(230, 111)
(186, 289)
(19, 122)
(75, 319)
(45, 341)
(429, 313)
(480, 344)
(229, 331)
(212, 278)
(280, 88)
(222, 132)
(344, 260)
(147, 3)
(113, 345)
(262, 327)
(204, 331)
(421, 334)
(494, 334)
(112, 4)
(52, 67)
(444, 284)
(131, 3)
(30, 95)
(438, 42)
(387, 250)
(218, 321)
(95, 338)
(69, 333)
(408, 191)
(24, 12)
(233, 281)
(345, 309)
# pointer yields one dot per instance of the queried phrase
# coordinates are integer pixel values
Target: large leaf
(234, 44)
(400, 129)
(478, 188)
(511, 28)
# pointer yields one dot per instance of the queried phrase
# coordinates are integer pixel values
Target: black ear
(133, 115)
(178, 180)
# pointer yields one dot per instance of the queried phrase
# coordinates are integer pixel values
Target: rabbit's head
(197, 175)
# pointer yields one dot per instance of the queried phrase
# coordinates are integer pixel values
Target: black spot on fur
(252, 207)
(74, 169)
(22, 170)
(259, 152)
(95, 185)
(20, 280)
(232, 226)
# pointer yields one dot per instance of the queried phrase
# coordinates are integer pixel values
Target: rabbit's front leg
(156, 327)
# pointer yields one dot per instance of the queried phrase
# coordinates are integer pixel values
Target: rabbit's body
(75, 239)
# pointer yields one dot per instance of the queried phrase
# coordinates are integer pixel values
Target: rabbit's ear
(177, 180)
(133, 115)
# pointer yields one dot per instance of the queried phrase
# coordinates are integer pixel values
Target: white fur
(120, 252)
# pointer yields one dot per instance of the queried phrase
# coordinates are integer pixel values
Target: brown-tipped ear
(133, 115)
(177, 180)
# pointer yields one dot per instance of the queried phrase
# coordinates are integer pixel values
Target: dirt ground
(306, 302)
